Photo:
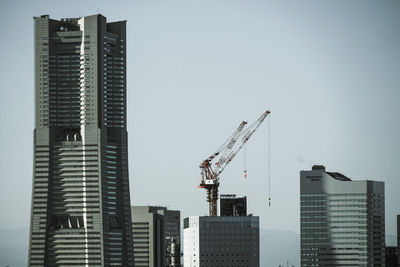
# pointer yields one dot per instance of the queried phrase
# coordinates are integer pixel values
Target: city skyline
(328, 71)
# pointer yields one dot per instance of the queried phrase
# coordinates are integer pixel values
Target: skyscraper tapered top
(80, 72)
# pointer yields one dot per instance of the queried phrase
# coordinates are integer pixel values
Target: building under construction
(231, 239)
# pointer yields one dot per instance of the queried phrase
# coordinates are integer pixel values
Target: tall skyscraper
(398, 240)
(230, 205)
(80, 197)
(156, 232)
(221, 241)
(342, 221)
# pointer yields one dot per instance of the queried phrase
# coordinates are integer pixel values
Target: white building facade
(221, 241)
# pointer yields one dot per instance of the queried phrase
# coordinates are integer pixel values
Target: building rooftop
(335, 175)
(338, 176)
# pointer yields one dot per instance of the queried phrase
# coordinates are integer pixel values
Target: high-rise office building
(80, 197)
(221, 241)
(230, 205)
(391, 256)
(342, 221)
(398, 240)
(156, 234)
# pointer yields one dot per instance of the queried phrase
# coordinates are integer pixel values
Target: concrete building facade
(342, 221)
(221, 241)
(80, 212)
(156, 233)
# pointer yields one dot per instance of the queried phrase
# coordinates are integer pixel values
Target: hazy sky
(328, 70)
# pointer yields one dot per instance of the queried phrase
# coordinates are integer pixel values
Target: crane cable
(268, 155)
(269, 159)
(245, 161)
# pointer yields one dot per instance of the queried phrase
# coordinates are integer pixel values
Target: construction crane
(214, 165)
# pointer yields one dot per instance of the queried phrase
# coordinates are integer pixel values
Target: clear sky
(328, 70)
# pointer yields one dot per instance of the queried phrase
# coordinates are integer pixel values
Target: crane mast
(214, 165)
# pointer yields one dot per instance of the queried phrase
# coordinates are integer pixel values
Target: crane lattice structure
(214, 165)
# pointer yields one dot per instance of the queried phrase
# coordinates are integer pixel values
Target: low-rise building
(211, 241)
(156, 236)
(342, 222)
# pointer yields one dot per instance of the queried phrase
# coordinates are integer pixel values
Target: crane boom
(223, 156)
(230, 144)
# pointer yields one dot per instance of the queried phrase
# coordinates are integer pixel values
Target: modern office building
(230, 205)
(156, 236)
(212, 241)
(398, 240)
(342, 221)
(80, 197)
(391, 257)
